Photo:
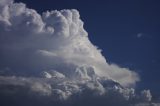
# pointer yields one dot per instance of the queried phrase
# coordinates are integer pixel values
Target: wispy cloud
(139, 35)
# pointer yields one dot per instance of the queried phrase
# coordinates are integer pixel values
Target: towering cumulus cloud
(48, 60)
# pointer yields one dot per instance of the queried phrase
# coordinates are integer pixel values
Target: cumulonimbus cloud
(56, 40)
(51, 56)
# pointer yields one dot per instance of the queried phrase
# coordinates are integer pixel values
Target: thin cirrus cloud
(139, 35)
(48, 59)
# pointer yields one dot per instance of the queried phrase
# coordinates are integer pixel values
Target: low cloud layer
(48, 59)
(66, 92)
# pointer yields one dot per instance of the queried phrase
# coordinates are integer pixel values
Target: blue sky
(128, 32)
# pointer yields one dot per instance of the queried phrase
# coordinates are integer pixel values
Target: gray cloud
(64, 91)
(48, 59)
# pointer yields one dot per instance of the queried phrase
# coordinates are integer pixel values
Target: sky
(65, 52)
(127, 32)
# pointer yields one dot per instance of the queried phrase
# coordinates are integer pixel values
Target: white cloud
(52, 56)
(139, 35)
(146, 95)
(54, 40)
